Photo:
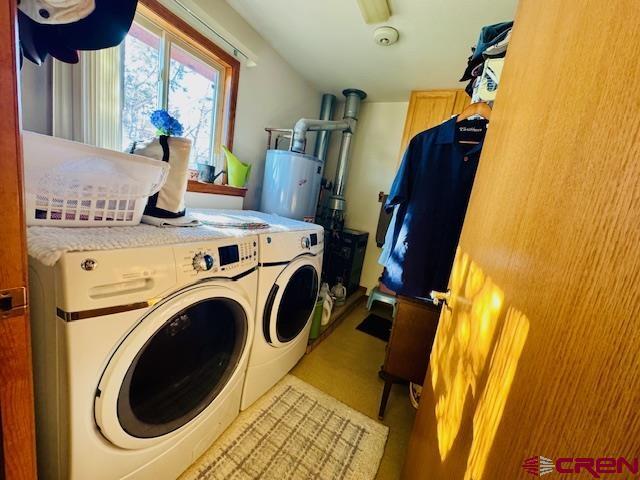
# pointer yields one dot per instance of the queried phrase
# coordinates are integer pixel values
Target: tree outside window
(185, 84)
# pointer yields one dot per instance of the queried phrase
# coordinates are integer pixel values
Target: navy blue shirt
(432, 189)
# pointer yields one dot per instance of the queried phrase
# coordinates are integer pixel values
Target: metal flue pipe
(347, 124)
(305, 125)
(324, 136)
(333, 210)
(354, 98)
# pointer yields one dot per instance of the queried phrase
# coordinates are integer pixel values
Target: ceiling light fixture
(374, 11)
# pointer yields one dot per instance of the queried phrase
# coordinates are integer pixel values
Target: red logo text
(595, 467)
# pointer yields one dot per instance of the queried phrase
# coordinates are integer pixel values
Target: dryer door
(291, 301)
(173, 365)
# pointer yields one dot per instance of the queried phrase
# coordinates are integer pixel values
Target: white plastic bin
(70, 184)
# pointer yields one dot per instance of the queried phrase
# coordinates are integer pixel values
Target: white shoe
(415, 391)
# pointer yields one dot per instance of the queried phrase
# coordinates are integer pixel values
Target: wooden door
(17, 439)
(429, 108)
(462, 100)
(538, 353)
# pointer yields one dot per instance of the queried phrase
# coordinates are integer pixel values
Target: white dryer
(288, 284)
(140, 356)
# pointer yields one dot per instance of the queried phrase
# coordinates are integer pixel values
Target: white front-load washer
(288, 284)
(139, 356)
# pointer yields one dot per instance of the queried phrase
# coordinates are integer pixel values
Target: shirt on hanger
(431, 191)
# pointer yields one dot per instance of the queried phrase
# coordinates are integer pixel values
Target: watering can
(207, 173)
(237, 172)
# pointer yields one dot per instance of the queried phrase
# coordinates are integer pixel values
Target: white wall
(212, 200)
(372, 167)
(270, 94)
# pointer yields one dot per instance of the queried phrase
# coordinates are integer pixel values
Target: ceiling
(329, 44)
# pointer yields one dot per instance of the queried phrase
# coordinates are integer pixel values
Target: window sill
(215, 189)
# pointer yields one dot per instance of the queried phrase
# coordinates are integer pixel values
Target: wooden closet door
(17, 437)
(429, 108)
(538, 353)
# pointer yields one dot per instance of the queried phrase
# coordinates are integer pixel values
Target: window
(162, 71)
(141, 74)
(163, 63)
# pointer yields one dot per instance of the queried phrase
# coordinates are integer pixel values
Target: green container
(237, 172)
(316, 320)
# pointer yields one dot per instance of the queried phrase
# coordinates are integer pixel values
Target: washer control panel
(221, 258)
(238, 256)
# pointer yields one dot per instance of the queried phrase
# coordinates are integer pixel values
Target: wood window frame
(215, 189)
(178, 27)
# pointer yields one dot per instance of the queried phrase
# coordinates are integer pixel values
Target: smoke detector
(385, 36)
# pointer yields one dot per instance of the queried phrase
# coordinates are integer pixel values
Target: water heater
(291, 184)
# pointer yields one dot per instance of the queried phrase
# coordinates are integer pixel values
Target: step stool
(377, 296)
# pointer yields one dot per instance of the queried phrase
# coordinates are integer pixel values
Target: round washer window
(182, 368)
(297, 303)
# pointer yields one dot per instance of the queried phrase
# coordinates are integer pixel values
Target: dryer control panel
(283, 246)
(221, 258)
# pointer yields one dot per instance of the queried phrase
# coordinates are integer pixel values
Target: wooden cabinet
(412, 334)
(430, 108)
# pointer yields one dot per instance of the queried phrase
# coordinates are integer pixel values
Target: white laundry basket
(70, 184)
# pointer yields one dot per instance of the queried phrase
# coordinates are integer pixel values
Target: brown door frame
(17, 432)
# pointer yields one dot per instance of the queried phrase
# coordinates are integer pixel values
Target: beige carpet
(295, 432)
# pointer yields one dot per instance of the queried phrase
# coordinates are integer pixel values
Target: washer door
(291, 301)
(173, 365)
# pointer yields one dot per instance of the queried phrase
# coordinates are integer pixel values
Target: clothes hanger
(479, 108)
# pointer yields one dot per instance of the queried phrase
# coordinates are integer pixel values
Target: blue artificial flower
(166, 124)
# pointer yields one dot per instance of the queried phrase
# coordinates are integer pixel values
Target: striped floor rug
(295, 432)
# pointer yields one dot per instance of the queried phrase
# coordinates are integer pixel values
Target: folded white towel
(186, 221)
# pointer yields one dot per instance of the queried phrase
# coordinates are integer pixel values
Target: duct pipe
(305, 125)
(324, 136)
(351, 110)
